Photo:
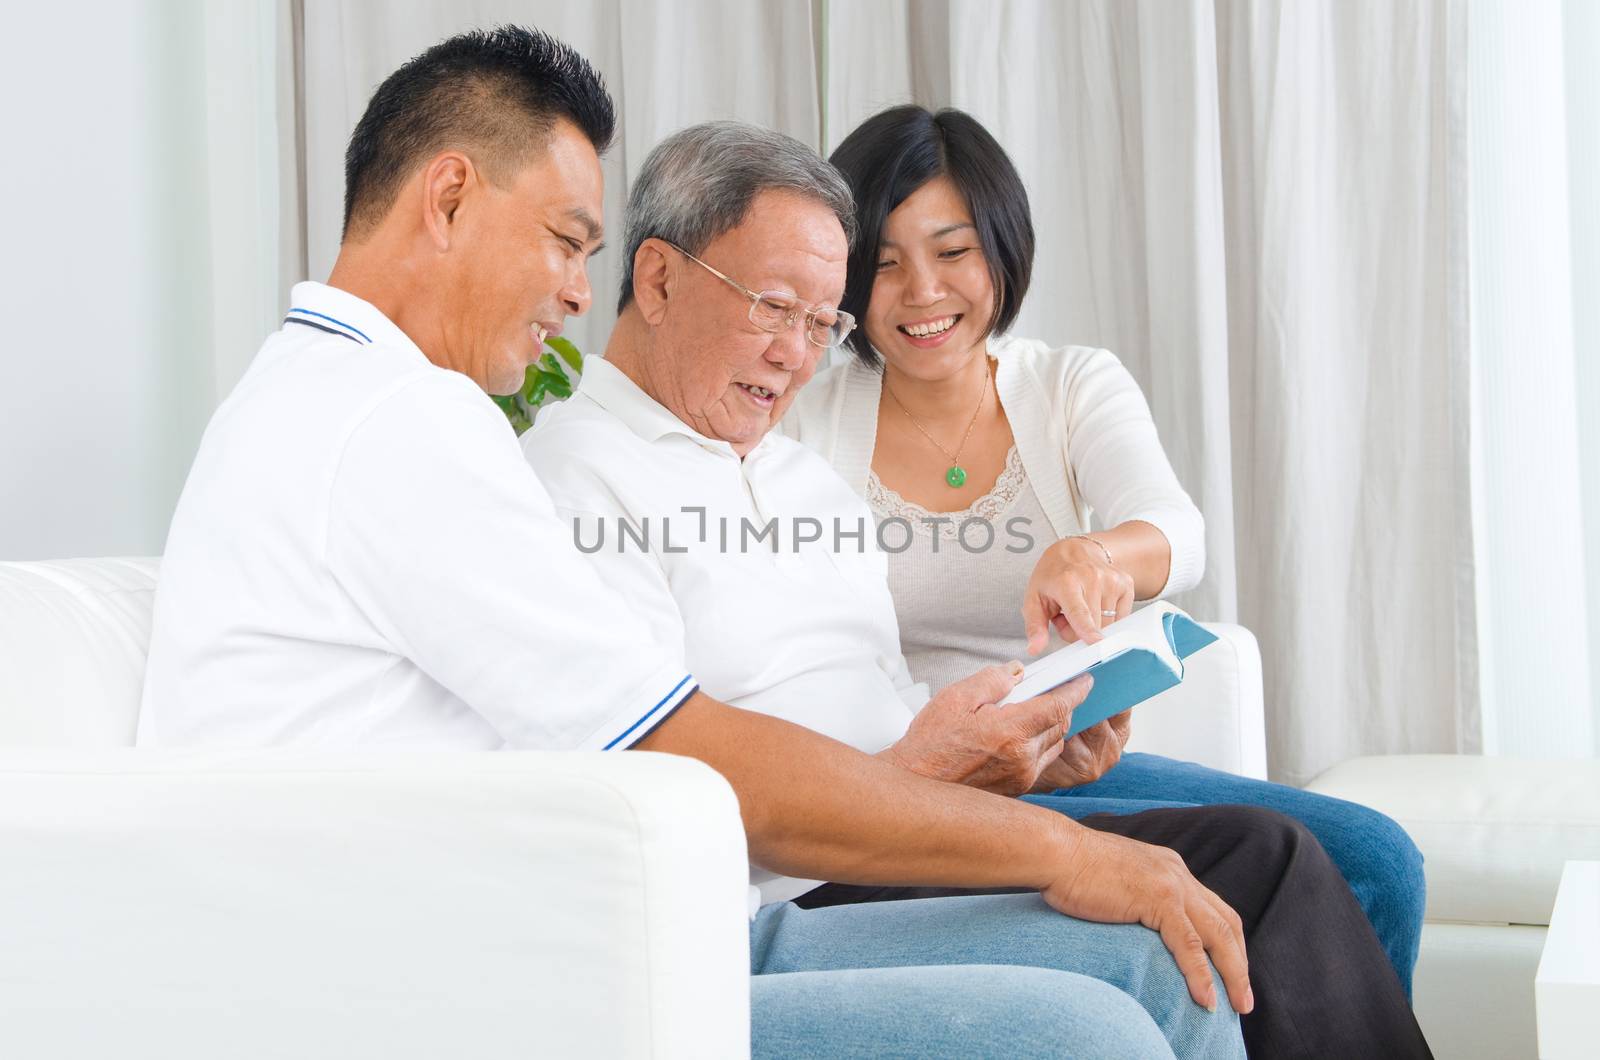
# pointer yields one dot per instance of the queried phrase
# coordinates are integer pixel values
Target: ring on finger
(1108, 614)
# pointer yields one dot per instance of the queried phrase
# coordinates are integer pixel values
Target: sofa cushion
(74, 636)
(1494, 832)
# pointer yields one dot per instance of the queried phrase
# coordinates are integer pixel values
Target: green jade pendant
(956, 477)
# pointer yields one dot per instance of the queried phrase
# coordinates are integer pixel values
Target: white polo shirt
(768, 621)
(362, 557)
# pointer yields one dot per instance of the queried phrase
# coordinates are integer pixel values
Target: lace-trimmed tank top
(957, 582)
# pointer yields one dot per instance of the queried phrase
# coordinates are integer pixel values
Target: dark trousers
(1323, 985)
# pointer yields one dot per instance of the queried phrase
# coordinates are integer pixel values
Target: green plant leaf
(569, 353)
(536, 392)
(548, 377)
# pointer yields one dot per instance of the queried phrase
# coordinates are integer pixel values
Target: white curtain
(1262, 207)
(1344, 160)
(1580, 44)
(1534, 259)
(254, 217)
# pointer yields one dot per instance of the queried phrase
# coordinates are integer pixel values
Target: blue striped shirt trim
(331, 320)
(688, 679)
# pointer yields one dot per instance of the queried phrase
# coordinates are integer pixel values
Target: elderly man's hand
(1089, 755)
(1115, 880)
(962, 737)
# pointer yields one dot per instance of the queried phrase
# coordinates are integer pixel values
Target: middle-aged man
(346, 567)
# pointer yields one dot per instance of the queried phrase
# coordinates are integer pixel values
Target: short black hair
(495, 92)
(895, 152)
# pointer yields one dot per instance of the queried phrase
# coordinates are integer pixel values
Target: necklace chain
(955, 457)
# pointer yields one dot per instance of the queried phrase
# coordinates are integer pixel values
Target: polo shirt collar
(609, 387)
(342, 313)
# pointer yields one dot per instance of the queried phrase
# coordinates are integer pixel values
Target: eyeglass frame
(757, 297)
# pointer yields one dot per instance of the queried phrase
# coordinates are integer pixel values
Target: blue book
(1138, 657)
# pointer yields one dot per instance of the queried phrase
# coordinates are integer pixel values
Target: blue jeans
(919, 978)
(955, 1012)
(1378, 859)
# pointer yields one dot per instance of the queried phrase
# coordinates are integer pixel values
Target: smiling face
(523, 267)
(708, 364)
(932, 296)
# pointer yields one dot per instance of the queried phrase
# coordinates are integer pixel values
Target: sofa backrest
(73, 639)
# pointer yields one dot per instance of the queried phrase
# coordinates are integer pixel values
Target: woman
(942, 419)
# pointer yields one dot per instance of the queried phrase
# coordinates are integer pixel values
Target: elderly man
(347, 567)
(746, 550)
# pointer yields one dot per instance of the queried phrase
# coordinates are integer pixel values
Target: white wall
(111, 362)
(104, 158)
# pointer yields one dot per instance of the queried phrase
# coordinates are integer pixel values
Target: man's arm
(884, 826)
(818, 809)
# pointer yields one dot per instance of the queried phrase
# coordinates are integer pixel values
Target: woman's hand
(1075, 588)
(1088, 755)
(962, 737)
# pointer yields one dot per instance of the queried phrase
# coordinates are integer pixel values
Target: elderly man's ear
(653, 279)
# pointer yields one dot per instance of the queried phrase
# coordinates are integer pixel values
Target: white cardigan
(1082, 428)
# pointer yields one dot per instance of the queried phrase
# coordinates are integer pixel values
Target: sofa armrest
(1216, 716)
(205, 904)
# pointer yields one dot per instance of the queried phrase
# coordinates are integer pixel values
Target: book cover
(1140, 656)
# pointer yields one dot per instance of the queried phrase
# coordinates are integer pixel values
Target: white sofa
(1494, 833)
(270, 904)
(253, 905)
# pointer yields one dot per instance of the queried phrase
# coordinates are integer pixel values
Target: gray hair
(699, 182)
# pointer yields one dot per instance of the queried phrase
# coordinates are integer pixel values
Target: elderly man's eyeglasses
(776, 311)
